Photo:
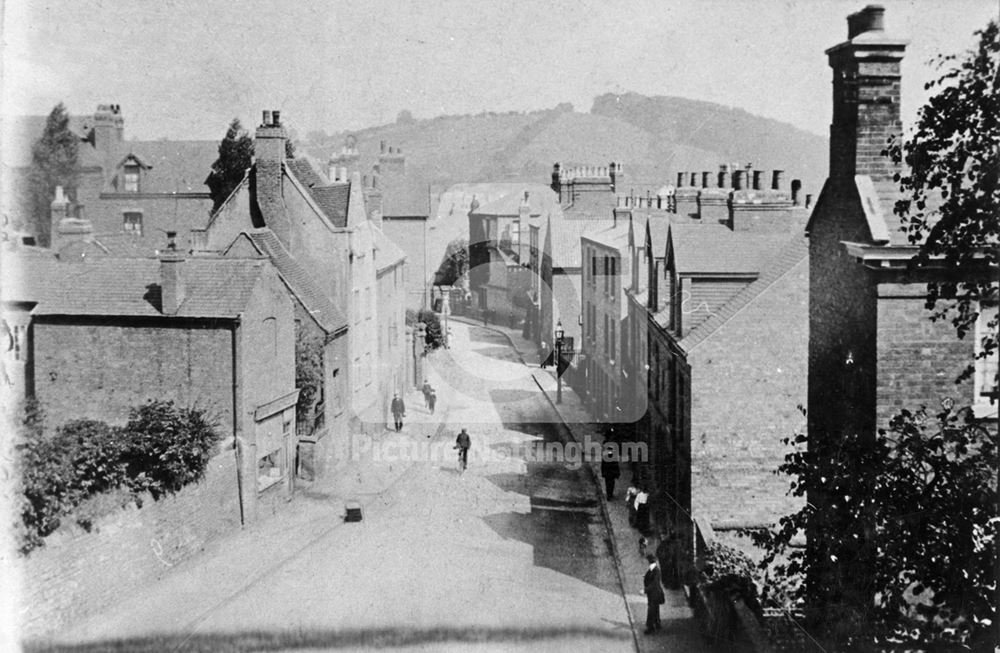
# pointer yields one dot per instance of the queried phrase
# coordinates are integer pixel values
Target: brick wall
(78, 572)
(842, 321)
(85, 369)
(918, 360)
(747, 380)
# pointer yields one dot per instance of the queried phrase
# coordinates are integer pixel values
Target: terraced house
(724, 319)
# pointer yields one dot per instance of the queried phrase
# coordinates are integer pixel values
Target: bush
(308, 373)
(168, 447)
(434, 337)
(729, 571)
(161, 449)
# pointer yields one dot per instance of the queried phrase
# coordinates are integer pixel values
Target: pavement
(514, 553)
(680, 628)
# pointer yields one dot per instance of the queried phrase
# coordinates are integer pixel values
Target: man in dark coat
(398, 411)
(463, 443)
(654, 595)
(666, 553)
(610, 470)
(426, 389)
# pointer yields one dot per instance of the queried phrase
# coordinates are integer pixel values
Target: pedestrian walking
(610, 470)
(666, 554)
(426, 389)
(653, 589)
(432, 400)
(630, 504)
(642, 510)
(463, 443)
(398, 411)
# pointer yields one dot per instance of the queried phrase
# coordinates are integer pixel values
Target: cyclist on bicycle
(462, 443)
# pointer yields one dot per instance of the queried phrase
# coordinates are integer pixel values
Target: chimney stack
(172, 286)
(269, 144)
(866, 93)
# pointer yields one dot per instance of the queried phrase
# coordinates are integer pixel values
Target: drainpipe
(237, 412)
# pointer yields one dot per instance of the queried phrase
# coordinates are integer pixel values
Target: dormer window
(131, 178)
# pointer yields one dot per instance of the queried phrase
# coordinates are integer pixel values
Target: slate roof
(170, 166)
(129, 287)
(329, 317)
(566, 239)
(388, 252)
(405, 196)
(715, 249)
(779, 263)
(333, 198)
(613, 236)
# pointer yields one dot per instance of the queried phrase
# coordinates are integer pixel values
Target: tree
(951, 191)
(53, 163)
(235, 156)
(405, 117)
(455, 263)
(924, 496)
(308, 372)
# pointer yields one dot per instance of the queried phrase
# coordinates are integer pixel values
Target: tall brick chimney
(108, 134)
(617, 178)
(866, 79)
(266, 186)
(172, 287)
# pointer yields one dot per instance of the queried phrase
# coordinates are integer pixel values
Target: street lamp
(559, 345)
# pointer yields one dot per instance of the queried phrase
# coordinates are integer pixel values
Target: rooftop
(130, 287)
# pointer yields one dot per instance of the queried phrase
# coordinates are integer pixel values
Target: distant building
(130, 192)
(96, 338)
(400, 201)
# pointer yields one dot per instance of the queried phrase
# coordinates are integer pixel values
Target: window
(614, 342)
(614, 277)
(336, 391)
(132, 223)
(271, 334)
(357, 305)
(607, 270)
(131, 178)
(268, 470)
(369, 303)
(986, 368)
(607, 350)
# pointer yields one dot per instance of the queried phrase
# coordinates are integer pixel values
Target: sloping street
(511, 554)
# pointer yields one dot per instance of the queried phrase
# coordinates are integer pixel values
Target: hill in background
(654, 137)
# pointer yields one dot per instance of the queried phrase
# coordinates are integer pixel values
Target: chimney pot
(680, 179)
(796, 189)
(738, 179)
(266, 119)
(694, 178)
(276, 115)
(724, 177)
(869, 19)
(172, 241)
(705, 176)
(776, 179)
(809, 200)
(756, 179)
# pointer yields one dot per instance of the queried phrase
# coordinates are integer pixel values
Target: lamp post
(559, 345)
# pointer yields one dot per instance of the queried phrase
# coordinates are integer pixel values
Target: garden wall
(77, 572)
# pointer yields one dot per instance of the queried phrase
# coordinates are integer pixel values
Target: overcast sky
(184, 68)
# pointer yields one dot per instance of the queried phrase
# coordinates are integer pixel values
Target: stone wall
(77, 572)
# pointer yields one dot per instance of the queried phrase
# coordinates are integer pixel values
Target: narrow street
(513, 554)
